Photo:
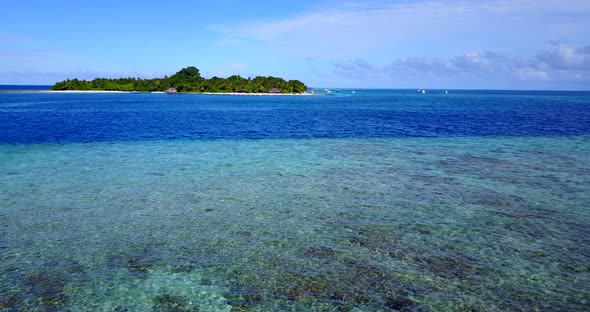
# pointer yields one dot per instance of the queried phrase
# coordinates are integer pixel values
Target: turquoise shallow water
(373, 224)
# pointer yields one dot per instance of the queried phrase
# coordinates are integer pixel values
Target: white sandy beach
(160, 92)
(259, 94)
(86, 91)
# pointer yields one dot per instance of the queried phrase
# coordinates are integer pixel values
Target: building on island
(171, 91)
(275, 90)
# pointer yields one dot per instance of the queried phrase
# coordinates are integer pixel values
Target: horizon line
(381, 88)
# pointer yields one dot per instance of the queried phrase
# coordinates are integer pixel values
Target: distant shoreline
(258, 94)
(87, 91)
(187, 80)
(160, 92)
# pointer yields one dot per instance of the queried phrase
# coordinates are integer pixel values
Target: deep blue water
(41, 117)
(24, 88)
(377, 201)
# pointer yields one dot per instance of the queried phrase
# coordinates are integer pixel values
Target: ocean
(381, 200)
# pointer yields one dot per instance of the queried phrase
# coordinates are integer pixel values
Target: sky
(454, 44)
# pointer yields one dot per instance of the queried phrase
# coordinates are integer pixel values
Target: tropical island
(187, 80)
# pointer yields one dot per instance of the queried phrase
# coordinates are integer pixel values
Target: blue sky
(495, 44)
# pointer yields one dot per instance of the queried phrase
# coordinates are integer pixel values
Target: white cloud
(356, 69)
(567, 57)
(560, 64)
(359, 29)
(528, 73)
(388, 43)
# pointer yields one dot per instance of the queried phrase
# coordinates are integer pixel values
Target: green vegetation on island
(187, 80)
